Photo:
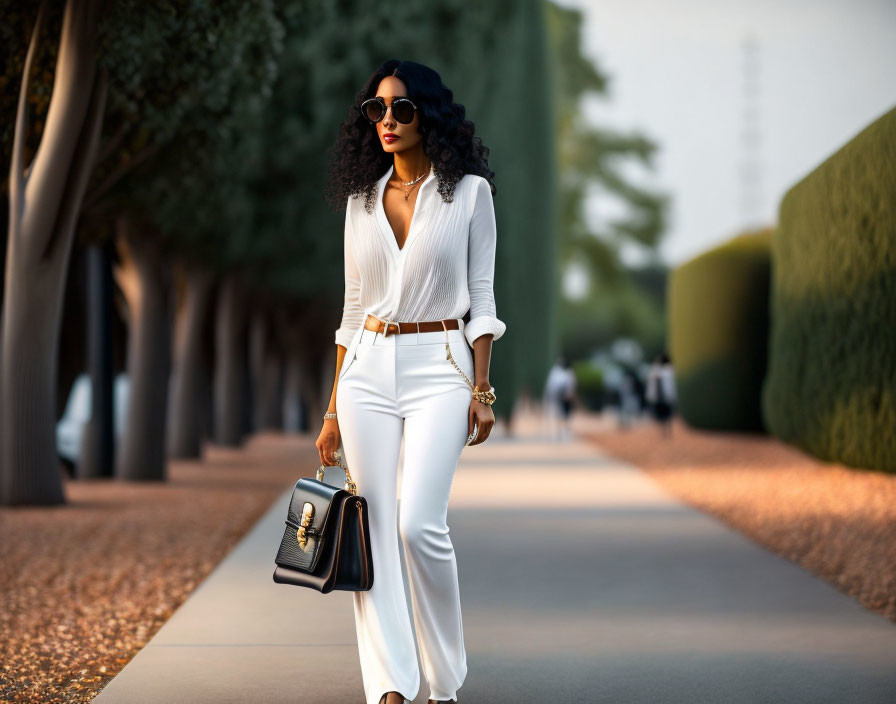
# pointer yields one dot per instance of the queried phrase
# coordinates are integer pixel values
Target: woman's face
(407, 135)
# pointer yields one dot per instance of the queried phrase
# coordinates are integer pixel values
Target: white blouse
(445, 268)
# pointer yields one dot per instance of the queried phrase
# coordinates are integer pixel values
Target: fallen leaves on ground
(85, 585)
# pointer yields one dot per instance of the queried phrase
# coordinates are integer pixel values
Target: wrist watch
(487, 397)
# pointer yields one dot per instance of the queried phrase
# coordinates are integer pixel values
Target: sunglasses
(374, 109)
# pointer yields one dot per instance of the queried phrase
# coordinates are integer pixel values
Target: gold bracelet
(487, 397)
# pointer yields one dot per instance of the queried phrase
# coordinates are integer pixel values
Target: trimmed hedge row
(718, 332)
(831, 384)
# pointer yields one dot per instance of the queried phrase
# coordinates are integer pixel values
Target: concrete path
(581, 580)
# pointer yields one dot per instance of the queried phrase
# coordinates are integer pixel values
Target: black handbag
(326, 543)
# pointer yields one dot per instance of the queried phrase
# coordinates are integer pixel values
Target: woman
(419, 255)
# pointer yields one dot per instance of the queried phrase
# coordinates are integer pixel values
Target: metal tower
(749, 166)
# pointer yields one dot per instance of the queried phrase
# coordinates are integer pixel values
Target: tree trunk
(314, 402)
(145, 281)
(318, 363)
(266, 371)
(98, 448)
(190, 379)
(293, 408)
(272, 417)
(208, 382)
(247, 416)
(45, 200)
(231, 364)
(289, 337)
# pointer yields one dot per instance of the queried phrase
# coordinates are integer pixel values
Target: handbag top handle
(350, 485)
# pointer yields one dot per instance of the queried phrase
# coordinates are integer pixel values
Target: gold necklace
(407, 193)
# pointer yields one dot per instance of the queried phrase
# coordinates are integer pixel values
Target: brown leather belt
(391, 327)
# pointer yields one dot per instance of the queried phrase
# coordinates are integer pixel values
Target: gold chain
(477, 394)
(407, 193)
(461, 371)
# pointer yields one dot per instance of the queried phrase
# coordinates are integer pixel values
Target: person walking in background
(567, 399)
(629, 399)
(559, 398)
(661, 391)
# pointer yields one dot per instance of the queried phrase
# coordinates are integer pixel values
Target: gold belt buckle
(386, 327)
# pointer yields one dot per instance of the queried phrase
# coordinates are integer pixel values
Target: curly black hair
(358, 160)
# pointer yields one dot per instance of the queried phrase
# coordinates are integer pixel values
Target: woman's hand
(328, 442)
(482, 415)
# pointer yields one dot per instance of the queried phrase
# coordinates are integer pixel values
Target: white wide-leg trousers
(389, 385)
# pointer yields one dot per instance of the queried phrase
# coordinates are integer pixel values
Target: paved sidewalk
(581, 581)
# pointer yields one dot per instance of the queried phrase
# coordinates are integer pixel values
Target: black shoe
(403, 700)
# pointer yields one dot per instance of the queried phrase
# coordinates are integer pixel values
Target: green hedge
(718, 333)
(831, 386)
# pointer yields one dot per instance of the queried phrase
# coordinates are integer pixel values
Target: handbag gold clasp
(307, 515)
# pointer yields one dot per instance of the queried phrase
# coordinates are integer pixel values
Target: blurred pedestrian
(629, 399)
(559, 398)
(661, 391)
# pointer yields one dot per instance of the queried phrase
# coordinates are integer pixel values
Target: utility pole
(749, 166)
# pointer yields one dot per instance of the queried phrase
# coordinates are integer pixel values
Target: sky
(821, 71)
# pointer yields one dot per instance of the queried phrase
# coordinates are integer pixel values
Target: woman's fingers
(485, 427)
(484, 418)
(326, 448)
(484, 421)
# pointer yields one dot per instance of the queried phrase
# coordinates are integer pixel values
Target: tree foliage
(591, 161)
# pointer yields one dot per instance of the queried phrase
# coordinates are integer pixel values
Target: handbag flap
(318, 493)
(322, 496)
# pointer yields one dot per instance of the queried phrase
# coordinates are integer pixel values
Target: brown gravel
(85, 585)
(836, 521)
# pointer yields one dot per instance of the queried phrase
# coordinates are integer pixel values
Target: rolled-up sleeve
(352, 312)
(481, 267)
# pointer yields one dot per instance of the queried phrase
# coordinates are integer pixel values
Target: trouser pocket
(351, 352)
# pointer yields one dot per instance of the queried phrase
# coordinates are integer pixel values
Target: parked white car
(71, 427)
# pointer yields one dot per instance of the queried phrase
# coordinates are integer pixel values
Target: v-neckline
(385, 225)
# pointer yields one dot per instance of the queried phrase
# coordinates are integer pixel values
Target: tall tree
(591, 159)
(184, 58)
(192, 204)
(45, 201)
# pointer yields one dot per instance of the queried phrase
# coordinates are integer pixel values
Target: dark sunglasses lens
(373, 110)
(403, 111)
